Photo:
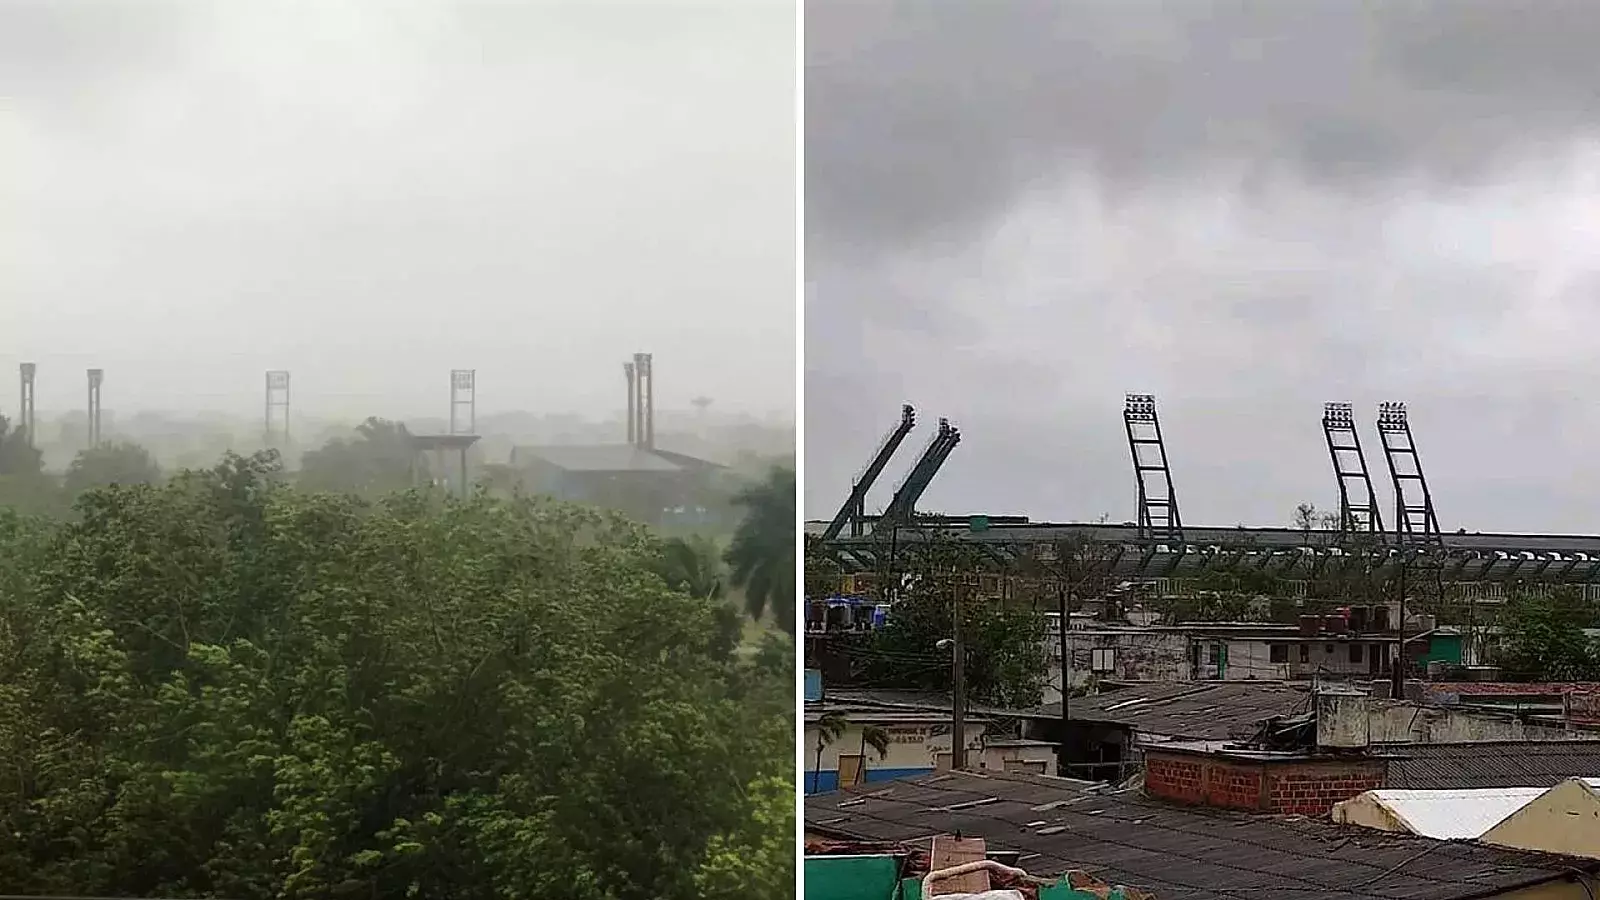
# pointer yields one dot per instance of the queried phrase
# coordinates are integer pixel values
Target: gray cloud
(1018, 211)
(370, 193)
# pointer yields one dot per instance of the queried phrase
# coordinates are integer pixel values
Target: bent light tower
(1358, 502)
(853, 513)
(902, 507)
(1158, 501)
(1415, 521)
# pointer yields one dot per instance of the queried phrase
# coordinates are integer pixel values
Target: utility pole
(1066, 674)
(1397, 678)
(958, 671)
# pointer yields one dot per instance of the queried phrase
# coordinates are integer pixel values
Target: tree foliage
(1544, 639)
(762, 552)
(108, 464)
(17, 455)
(224, 686)
(379, 459)
(1006, 662)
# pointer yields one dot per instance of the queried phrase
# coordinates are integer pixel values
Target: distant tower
(1414, 519)
(277, 418)
(1157, 500)
(96, 376)
(463, 401)
(1358, 502)
(26, 410)
(633, 404)
(645, 388)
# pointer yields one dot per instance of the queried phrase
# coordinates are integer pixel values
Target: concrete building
(918, 744)
(1562, 819)
(1448, 815)
(1318, 647)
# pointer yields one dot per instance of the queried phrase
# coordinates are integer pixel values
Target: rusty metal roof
(1194, 853)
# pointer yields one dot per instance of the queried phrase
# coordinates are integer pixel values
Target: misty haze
(397, 448)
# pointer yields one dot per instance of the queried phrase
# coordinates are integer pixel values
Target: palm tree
(830, 728)
(876, 738)
(692, 565)
(762, 553)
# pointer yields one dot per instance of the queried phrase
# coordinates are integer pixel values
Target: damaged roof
(1059, 825)
(1214, 710)
(1490, 764)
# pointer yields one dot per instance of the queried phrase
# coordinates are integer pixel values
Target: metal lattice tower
(26, 412)
(1358, 502)
(1158, 501)
(903, 506)
(853, 512)
(96, 377)
(1415, 521)
(277, 410)
(463, 401)
(633, 405)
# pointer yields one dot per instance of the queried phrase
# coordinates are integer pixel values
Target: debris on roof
(1118, 837)
(1214, 710)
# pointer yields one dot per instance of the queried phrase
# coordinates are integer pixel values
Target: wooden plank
(948, 851)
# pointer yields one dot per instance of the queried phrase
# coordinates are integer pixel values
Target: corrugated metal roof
(1213, 710)
(1490, 764)
(1188, 852)
(1461, 814)
(600, 458)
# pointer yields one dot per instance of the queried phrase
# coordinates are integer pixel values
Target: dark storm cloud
(1017, 211)
(927, 116)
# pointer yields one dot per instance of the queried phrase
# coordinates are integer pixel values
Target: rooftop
(1214, 710)
(1489, 764)
(607, 458)
(1059, 825)
(1457, 814)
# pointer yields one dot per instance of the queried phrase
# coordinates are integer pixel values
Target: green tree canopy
(1544, 639)
(762, 552)
(18, 456)
(378, 460)
(1005, 646)
(224, 686)
(108, 464)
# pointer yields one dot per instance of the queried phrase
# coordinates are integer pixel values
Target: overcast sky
(1018, 211)
(372, 193)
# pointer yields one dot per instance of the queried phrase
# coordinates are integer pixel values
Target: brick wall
(1308, 786)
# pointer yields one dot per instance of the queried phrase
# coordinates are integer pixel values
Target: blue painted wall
(828, 779)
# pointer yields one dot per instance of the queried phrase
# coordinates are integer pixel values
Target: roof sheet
(600, 458)
(1491, 764)
(1195, 710)
(1197, 854)
(1463, 813)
